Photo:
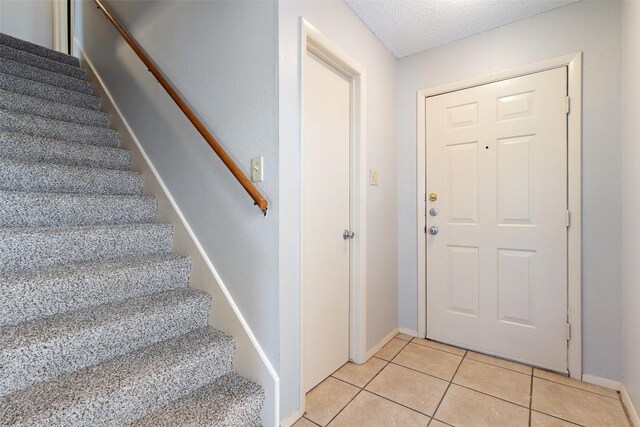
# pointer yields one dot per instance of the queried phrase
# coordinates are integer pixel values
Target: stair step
(26, 104)
(42, 349)
(52, 291)
(229, 401)
(27, 209)
(47, 77)
(119, 391)
(46, 91)
(56, 129)
(46, 177)
(23, 147)
(28, 249)
(12, 54)
(35, 49)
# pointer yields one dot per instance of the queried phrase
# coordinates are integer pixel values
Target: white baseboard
(381, 344)
(250, 360)
(602, 382)
(407, 331)
(628, 404)
(291, 419)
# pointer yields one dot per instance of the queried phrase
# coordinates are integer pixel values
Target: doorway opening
(333, 208)
(430, 242)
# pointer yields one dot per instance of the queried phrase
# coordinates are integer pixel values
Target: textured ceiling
(410, 26)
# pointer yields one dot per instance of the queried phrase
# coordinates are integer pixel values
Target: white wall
(30, 20)
(221, 56)
(590, 27)
(337, 22)
(631, 198)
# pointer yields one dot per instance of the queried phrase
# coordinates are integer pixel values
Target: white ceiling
(410, 26)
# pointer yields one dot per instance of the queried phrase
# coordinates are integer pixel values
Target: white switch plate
(257, 169)
(373, 177)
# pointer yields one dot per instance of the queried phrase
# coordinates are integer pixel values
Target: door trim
(312, 40)
(61, 34)
(574, 169)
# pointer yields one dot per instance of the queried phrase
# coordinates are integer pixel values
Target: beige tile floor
(416, 382)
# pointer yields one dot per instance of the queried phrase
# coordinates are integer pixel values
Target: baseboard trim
(628, 404)
(602, 382)
(407, 331)
(376, 348)
(245, 367)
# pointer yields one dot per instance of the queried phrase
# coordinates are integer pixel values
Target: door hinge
(425, 229)
(568, 219)
(568, 105)
(568, 331)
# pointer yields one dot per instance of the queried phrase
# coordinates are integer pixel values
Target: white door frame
(60, 21)
(313, 41)
(574, 164)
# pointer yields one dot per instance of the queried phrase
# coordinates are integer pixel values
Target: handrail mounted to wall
(257, 197)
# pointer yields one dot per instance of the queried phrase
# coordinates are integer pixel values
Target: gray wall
(338, 23)
(631, 198)
(30, 20)
(222, 57)
(590, 27)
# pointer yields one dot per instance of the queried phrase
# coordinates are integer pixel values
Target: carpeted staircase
(98, 326)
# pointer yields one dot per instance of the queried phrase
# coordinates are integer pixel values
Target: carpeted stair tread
(30, 124)
(46, 91)
(28, 296)
(37, 61)
(47, 177)
(35, 49)
(119, 391)
(29, 209)
(26, 104)
(230, 401)
(30, 249)
(28, 72)
(98, 324)
(28, 148)
(44, 348)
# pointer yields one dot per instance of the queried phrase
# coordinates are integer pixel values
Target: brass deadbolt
(433, 197)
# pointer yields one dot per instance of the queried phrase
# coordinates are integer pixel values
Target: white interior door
(325, 215)
(497, 267)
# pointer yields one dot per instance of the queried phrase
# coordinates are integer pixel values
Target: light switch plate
(257, 169)
(373, 177)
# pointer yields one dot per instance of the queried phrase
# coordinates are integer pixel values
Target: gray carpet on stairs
(28, 72)
(98, 326)
(23, 147)
(53, 110)
(62, 95)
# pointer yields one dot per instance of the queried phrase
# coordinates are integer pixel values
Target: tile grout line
(344, 407)
(578, 388)
(420, 372)
(387, 363)
(533, 368)
(435, 411)
(558, 418)
(502, 367)
(530, 397)
(311, 421)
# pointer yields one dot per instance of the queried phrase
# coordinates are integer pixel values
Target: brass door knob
(433, 197)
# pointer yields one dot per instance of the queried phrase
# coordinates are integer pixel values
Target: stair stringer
(250, 360)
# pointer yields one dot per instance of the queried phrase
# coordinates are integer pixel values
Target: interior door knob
(346, 234)
(433, 230)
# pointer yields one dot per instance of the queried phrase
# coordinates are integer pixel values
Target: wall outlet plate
(257, 169)
(373, 177)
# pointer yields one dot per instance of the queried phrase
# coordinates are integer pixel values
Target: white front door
(497, 263)
(325, 215)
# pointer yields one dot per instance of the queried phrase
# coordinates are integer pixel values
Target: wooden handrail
(246, 183)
